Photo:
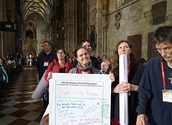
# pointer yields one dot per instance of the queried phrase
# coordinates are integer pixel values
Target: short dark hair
(62, 50)
(76, 50)
(162, 34)
(3, 61)
(83, 41)
(49, 43)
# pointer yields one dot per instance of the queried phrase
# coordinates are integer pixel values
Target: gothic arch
(31, 46)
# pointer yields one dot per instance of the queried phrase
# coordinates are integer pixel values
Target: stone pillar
(1, 43)
(105, 25)
(70, 27)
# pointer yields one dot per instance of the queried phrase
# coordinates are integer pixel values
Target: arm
(48, 75)
(5, 75)
(145, 94)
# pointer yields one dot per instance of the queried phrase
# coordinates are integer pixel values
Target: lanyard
(163, 75)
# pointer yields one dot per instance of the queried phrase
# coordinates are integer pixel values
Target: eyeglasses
(44, 45)
(165, 50)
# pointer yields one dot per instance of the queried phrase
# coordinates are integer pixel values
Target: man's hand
(141, 119)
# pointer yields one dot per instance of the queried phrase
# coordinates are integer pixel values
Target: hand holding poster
(79, 99)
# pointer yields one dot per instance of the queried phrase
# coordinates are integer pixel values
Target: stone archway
(31, 53)
(30, 46)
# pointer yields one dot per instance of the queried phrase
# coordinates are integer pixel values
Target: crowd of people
(148, 87)
(9, 59)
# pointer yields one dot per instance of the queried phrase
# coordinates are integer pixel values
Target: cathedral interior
(26, 24)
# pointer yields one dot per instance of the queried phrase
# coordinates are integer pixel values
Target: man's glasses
(60, 52)
(44, 45)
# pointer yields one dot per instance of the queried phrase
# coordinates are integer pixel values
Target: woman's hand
(111, 76)
(49, 75)
(125, 87)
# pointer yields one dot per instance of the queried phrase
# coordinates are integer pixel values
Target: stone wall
(124, 20)
(136, 18)
(7, 39)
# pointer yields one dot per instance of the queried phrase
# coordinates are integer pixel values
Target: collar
(102, 72)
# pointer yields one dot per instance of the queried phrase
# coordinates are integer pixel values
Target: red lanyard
(163, 75)
(45, 59)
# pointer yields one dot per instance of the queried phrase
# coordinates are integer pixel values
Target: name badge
(167, 95)
(45, 63)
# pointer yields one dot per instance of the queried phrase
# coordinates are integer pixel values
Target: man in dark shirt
(155, 87)
(43, 60)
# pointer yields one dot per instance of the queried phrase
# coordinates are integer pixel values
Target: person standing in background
(105, 66)
(42, 63)
(59, 65)
(104, 57)
(4, 77)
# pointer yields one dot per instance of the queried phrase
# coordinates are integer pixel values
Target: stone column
(105, 24)
(1, 33)
(105, 27)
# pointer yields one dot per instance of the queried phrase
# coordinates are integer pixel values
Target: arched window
(29, 35)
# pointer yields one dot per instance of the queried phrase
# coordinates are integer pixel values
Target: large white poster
(79, 99)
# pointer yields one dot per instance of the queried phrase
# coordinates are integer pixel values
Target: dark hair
(142, 60)
(49, 43)
(83, 41)
(115, 60)
(162, 34)
(76, 50)
(62, 50)
(3, 61)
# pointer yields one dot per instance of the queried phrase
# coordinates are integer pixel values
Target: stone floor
(17, 107)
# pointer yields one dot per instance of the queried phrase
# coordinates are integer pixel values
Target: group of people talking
(149, 88)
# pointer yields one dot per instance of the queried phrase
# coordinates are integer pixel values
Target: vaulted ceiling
(34, 7)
